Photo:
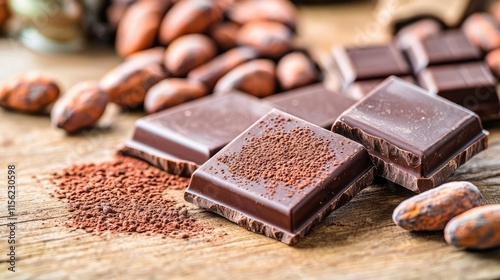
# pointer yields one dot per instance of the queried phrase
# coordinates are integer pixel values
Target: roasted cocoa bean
(431, 210)
(172, 92)
(187, 52)
(256, 77)
(82, 106)
(28, 93)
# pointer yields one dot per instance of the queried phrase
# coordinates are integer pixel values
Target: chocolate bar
(358, 90)
(417, 31)
(372, 62)
(281, 177)
(414, 138)
(445, 48)
(181, 138)
(470, 85)
(315, 104)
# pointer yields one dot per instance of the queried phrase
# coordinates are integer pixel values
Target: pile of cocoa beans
(177, 51)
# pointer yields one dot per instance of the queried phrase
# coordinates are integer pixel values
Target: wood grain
(358, 241)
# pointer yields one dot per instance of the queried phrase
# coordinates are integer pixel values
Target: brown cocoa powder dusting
(124, 195)
(294, 158)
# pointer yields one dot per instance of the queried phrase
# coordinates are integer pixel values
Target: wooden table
(358, 241)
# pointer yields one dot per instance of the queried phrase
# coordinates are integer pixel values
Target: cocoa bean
(82, 106)
(271, 10)
(256, 77)
(431, 210)
(172, 92)
(28, 93)
(187, 52)
(270, 39)
(478, 228)
(296, 70)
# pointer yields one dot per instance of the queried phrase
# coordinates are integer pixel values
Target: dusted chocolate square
(470, 85)
(281, 177)
(315, 104)
(181, 138)
(444, 48)
(415, 139)
(372, 62)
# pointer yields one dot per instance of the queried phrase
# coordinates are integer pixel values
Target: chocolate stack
(447, 63)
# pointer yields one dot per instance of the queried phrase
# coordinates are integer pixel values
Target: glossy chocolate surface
(372, 62)
(470, 85)
(195, 131)
(360, 89)
(444, 48)
(315, 104)
(413, 131)
(281, 209)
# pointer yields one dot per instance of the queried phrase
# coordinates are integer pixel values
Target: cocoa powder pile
(124, 195)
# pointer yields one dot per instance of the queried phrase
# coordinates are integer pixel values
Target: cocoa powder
(124, 195)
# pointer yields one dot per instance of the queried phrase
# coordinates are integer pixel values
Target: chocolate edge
(275, 233)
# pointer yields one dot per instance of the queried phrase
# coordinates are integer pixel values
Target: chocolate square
(470, 85)
(281, 177)
(445, 48)
(372, 62)
(415, 139)
(181, 138)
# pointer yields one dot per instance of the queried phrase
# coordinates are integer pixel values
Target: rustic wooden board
(357, 241)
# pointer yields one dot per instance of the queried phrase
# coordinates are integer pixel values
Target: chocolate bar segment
(372, 62)
(415, 139)
(315, 104)
(445, 48)
(181, 138)
(471, 85)
(281, 177)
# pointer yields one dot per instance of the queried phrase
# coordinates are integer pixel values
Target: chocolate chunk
(358, 90)
(315, 104)
(415, 139)
(181, 138)
(445, 48)
(469, 84)
(354, 64)
(281, 177)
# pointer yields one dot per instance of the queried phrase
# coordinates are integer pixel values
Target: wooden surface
(357, 241)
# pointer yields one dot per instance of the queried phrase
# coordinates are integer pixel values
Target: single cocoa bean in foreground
(256, 77)
(210, 72)
(128, 83)
(270, 39)
(188, 52)
(186, 17)
(28, 93)
(296, 70)
(431, 210)
(139, 27)
(172, 92)
(478, 228)
(82, 106)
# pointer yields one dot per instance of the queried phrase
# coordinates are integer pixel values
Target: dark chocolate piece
(372, 62)
(415, 139)
(181, 138)
(469, 84)
(445, 48)
(358, 90)
(281, 177)
(315, 104)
